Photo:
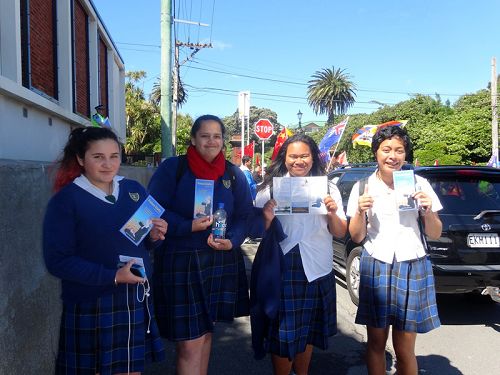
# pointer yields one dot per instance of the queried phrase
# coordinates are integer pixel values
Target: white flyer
(404, 188)
(300, 195)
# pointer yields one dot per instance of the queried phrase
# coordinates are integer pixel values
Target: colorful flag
(257, 160)
(342, 158)
(400, 123)
(249, 149)
(280, 139)
(436, 162)
(364, 135)
(332, 137)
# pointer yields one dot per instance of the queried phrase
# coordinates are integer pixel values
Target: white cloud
(221, 45)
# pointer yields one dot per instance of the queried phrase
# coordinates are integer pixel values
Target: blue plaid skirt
(307, 313)
(94, 336)
(195, 288)
(400, 294)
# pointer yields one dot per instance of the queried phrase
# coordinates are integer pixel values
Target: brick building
(57, 63)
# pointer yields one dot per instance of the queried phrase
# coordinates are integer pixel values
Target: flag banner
(342, 158)
(257, 160)
(364, 135)
(331, 137)
(400, 123)
(249, 149)
(280, 139)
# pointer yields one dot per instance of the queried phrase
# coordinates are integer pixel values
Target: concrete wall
(30, 306)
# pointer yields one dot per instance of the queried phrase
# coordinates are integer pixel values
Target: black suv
(467, 256)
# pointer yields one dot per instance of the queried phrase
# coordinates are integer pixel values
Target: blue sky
(391, 49)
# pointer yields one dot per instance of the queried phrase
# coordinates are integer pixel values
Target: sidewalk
(249, 250)
(232, 351)
(231, 346)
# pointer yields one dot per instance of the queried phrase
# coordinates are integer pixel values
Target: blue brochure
(404, 188)
(139, 224)
(203, 198)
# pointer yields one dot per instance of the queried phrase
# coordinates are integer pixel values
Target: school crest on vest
(227, 183)
(134, 196)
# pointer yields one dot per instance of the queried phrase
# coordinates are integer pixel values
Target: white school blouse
(391, 233)
(311, 233)
(86, 185)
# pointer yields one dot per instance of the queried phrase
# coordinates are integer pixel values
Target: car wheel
(353, 275)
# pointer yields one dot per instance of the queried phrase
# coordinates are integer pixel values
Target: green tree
(458, 134)
(331, 91)
(155, 96)
(184, 124)
(233, 124)
(143, 118)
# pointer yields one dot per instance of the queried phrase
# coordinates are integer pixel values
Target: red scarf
(202, 168)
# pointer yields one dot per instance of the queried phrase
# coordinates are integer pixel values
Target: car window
(467, 195)
(347, 182)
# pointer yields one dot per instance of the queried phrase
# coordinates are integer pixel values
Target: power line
(198, 61)
(231, 94)
(139, 50)
(305, 84)
(249, 76)
(212, 21)
(202, 62)
(216, 89)
(140, 44)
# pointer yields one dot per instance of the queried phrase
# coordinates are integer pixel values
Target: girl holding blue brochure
(107, 324)
(396, 282)
(200, 280)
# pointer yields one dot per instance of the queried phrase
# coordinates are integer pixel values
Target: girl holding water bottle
(200, 279)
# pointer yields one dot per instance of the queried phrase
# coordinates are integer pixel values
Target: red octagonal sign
(263, 128)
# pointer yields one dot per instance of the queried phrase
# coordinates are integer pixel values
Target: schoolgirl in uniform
(397, 285)
(200, 280)
(107, 324)
(307, 308)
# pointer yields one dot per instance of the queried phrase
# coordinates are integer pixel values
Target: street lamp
(299, 115)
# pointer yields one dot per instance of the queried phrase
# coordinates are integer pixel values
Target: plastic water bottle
(219, 224)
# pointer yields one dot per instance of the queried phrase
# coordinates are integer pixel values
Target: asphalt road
(467, 343)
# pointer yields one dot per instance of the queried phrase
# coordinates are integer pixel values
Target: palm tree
(156, 93)
(331, 91)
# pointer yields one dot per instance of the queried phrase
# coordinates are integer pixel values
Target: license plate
(483, 240)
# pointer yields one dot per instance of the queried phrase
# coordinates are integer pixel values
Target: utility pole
(166, 79)
(494, 113)
(197, 47)
(175, 98)
(244, 113)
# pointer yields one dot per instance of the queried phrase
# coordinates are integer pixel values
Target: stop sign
(263, 128)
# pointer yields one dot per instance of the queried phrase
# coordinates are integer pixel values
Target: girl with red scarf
(199, 280)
